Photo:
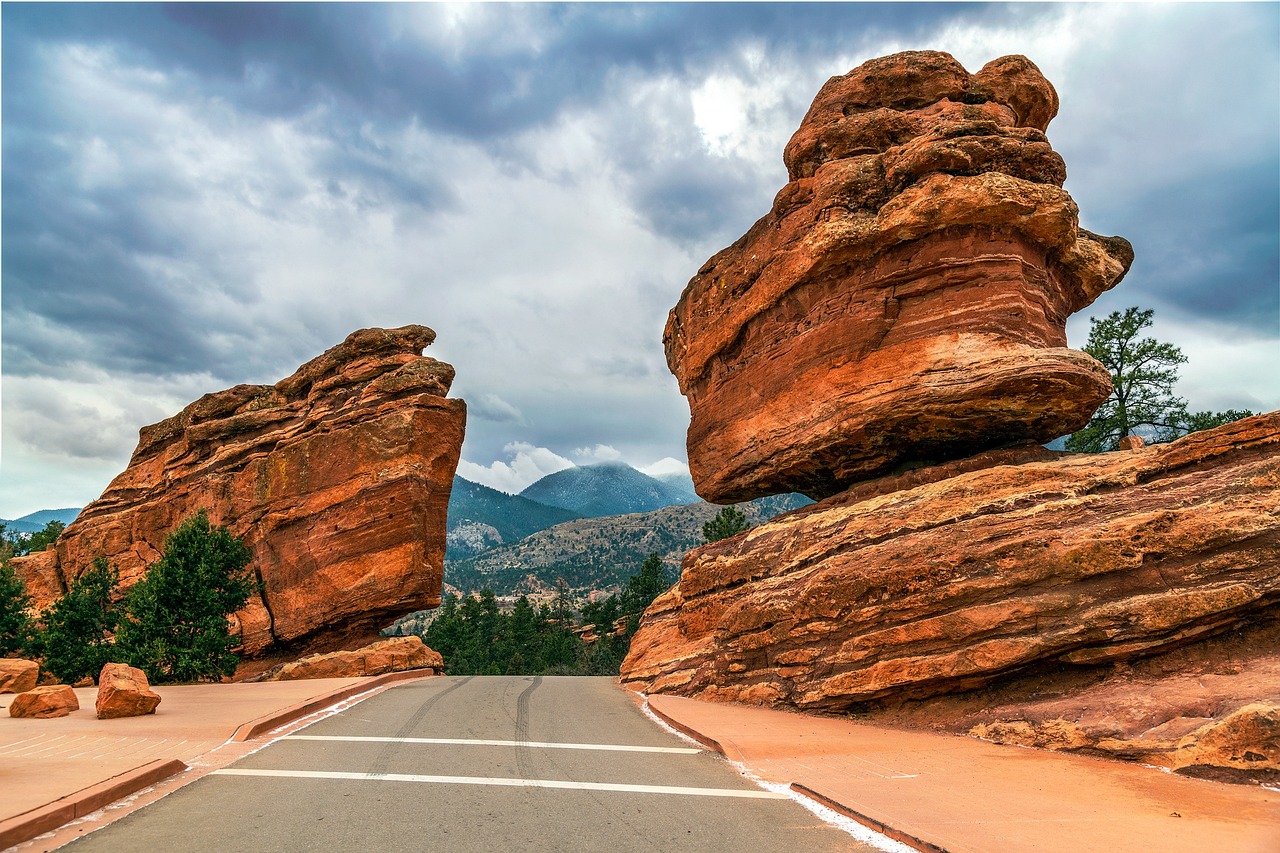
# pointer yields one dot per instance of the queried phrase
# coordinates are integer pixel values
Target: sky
(196, 196)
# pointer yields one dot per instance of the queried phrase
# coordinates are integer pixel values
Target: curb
(802, 789)
(870, 823)
(264, 724)
(42, 819)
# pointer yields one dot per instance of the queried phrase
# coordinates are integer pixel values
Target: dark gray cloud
(196, 195)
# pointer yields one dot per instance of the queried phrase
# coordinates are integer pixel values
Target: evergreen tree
(1208, 420)
(41, 539)
(15, 624)
(1143, 372)
(75, 637)
(175, 626)
(646, 585)
(729, 521)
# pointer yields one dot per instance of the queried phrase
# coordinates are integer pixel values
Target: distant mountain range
(481, 518)
(598, 553)
(34, 522)
(609, 488)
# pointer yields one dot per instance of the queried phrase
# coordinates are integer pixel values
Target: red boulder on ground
(52, 700)
(123, 691)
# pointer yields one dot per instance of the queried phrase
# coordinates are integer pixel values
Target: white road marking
(444, 741)
(746, 793)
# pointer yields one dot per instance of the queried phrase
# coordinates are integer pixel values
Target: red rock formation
(123, 691)
(18, 676)
(391, 655)
(337, 478)
(905, 300)
(948, 585)
(45, 703)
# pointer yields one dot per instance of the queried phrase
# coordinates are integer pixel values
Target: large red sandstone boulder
(123, 691)
(53, 700)
(910, 591)
(337, 478)
(18, 676)
(905, 300)
(392, 655)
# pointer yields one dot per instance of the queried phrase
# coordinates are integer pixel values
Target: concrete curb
(800, 788)
(26, 826)
(42, 819)
(870, 823)
(276, 719)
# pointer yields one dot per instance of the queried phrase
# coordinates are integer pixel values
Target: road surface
(477, 765)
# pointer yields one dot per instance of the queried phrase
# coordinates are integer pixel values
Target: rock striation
(905, 299)
(391, 655)
(337, 478)
(1075, 560)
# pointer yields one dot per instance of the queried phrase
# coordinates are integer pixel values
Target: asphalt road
(489, 764)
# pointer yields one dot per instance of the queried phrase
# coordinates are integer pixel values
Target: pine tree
(729, 521)
(15, 623)
(75, 635)
(175, 626)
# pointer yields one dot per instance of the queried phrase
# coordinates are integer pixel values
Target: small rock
(18, 676)
(1132, 442)
(391, 655)
(123, 691)
(52, 700)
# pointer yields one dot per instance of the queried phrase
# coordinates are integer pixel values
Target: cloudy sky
(196, 196)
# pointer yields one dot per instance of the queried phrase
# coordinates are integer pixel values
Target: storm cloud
(197, 195)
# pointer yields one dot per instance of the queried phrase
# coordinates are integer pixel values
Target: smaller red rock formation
(123, 691)
(18, 676)
(44, 703)
(948, 585)
(391, 655)
(906, 298)
(336, 477)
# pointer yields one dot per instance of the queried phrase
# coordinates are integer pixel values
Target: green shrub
(74, 638)
(175, 626)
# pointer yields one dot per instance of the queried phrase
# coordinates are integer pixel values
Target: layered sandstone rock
(947, 585)
(123, 691)
(18, 676)
(905, 299)
(45, 703)
(392, 655)
(337, 478)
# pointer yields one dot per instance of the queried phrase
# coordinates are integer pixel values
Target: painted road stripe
(444, 741)
(747, 793)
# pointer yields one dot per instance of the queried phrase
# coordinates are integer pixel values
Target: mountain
(680, 485)
(35, 521)
(599, 553)
(481, 518)
(609, 488)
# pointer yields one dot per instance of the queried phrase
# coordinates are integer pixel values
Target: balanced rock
(905, 300)
(392, 655)
(17, 675)
(882, 591)
(123, 691)
(47, 702)
(337, 478)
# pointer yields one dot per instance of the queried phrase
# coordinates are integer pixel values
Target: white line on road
(610, 747)
(747, 793)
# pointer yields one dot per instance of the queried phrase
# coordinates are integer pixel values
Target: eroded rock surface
(905, 300)
(45, 703)
(123, 691)
(391, 655)
(17, 675)
(337, 478)
(948, 585)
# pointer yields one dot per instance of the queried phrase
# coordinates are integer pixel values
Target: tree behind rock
(75, 636)
(175, 626)
(729, 521)
(15, 624)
